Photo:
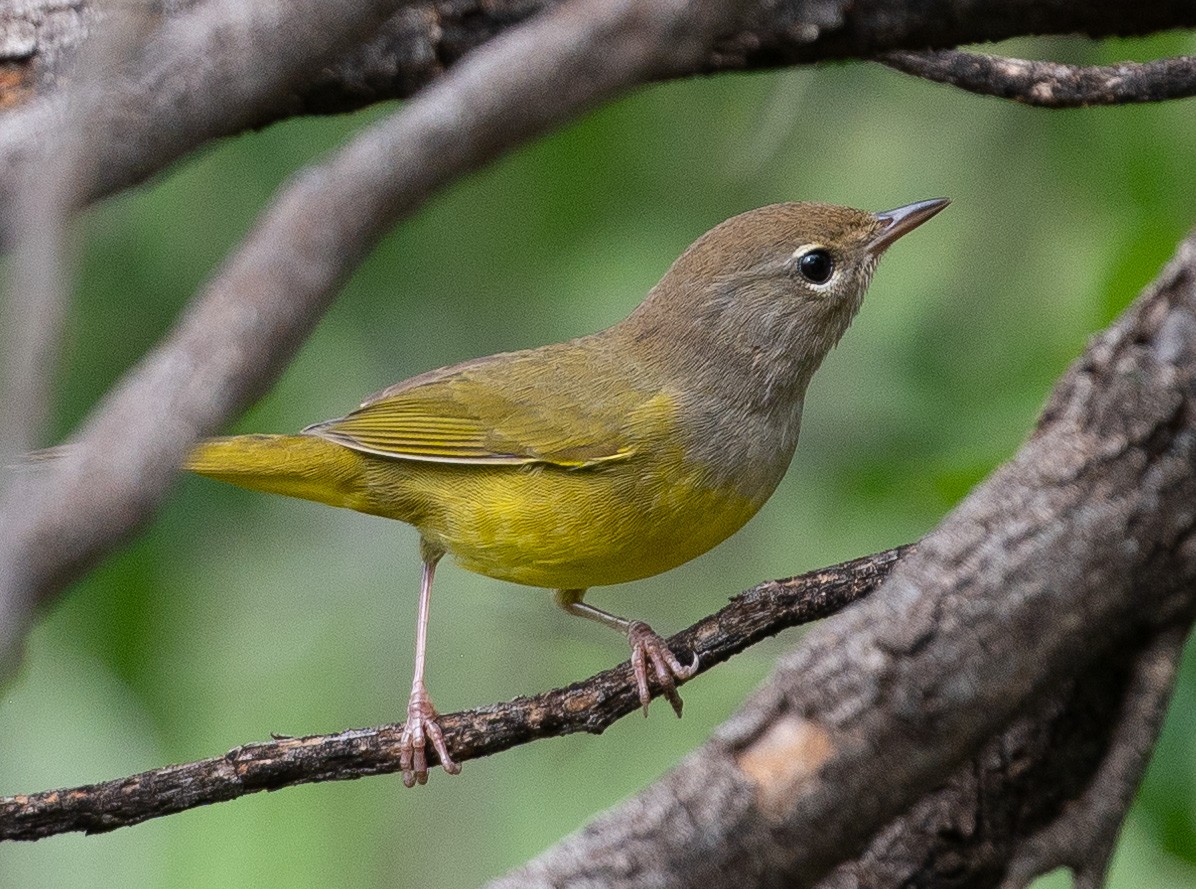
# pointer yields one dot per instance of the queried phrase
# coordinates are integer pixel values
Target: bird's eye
(816, 266)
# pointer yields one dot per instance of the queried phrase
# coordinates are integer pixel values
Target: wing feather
(507, 410)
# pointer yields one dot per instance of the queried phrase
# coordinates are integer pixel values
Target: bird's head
(775, 287)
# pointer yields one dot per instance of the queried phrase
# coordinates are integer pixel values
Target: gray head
(757, 302)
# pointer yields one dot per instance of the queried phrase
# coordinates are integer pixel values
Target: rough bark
(1050, 791)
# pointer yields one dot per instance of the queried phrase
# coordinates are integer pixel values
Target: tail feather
(303, 466)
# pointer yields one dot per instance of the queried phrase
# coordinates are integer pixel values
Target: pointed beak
(895, 223)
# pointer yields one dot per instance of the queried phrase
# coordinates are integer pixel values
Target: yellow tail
(302, 466)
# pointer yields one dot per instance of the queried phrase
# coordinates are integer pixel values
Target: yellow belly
(559, 528)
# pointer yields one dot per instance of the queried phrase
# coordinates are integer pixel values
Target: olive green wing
(508, 410)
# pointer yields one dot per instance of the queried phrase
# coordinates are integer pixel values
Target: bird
(607, 458)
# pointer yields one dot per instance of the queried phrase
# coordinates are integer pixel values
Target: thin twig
(589, 706)
(1051, 84)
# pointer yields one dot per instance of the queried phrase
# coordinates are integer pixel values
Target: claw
(420, 728)
(647, 647)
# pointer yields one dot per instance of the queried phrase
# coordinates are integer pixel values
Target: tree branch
(212, 70)
(1050, 84)
(1049, 774)
(1084, 832)
(589, 706)
(1079, 548)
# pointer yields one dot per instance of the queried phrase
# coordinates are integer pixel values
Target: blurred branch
(1037, 628)
(36, 291)
(213, 69)
(198, 85)
(38, 281)
(1050, 84)
(31, 313)
(590, 706)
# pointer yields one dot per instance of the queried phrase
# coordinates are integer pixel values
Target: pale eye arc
(815, 264)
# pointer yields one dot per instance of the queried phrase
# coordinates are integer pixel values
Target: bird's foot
(421, 728)
(648, 648)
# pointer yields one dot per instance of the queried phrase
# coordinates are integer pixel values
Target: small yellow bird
(607, 458)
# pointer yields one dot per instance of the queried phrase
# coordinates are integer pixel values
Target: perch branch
(589, 706)
(1050, 84)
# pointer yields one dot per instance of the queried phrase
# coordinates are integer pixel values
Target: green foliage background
(236, 615)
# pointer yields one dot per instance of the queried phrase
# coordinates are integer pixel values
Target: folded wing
(510, 412)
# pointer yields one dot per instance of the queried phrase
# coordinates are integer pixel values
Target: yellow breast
(551, 527)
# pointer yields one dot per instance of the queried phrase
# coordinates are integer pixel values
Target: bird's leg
(421, 725)
(647, 647)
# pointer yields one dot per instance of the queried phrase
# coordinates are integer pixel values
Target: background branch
(211, 70)
(1050, 84)
(195, 88)
(37, 289)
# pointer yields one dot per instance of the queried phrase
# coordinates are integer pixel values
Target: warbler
(607, 458)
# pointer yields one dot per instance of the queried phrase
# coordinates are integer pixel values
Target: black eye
(816, 266)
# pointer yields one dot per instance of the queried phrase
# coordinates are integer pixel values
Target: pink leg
(421, 726)
(648, 649)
